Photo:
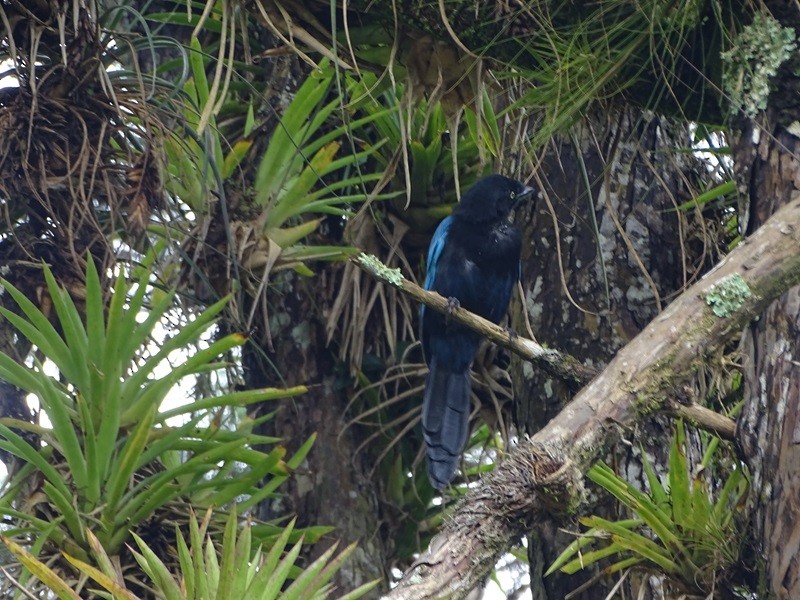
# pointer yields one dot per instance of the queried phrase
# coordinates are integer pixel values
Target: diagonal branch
(542, 479)
(556, 363)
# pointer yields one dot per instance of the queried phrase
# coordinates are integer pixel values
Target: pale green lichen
(757, 52)
(375, 266)
(728, 296)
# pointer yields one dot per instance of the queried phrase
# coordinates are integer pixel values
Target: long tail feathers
(445, 422)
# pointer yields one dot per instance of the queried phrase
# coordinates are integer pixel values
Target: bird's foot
(512, 335)
(452, 304)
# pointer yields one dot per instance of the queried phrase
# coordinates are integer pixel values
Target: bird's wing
(435, 250)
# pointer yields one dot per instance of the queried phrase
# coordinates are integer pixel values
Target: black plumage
(473, 259)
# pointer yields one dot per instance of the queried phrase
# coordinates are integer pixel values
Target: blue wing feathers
(435, 250)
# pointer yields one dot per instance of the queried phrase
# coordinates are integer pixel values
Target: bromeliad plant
(264, 578)
(208, 569)
(110, 462)
(678, 530)
(303, 173)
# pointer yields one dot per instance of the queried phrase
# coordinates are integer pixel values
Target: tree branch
(543, 477)
(564, 366)
(554, 362)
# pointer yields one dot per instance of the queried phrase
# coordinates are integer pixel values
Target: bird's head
(492, 199)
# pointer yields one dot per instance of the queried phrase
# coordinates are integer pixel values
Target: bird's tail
(445, 422)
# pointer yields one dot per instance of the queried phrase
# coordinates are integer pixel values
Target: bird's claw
(452, 304)
(512, 335)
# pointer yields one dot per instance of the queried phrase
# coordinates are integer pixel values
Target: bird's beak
(524, 196)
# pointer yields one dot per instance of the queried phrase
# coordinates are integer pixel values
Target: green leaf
(125, 465)
(273, 484)
(275, 165)
(291, 202)
(17, 446)
(156, 570)
(228, 560)
(593, 535)
(270, 563)
(243, 398)
(235, 157)
(701, 508)
(731, 493)
(248, 482)
(274, 579)
(95, 318)
(133, 385)
(362, 590)
(679, 486)
(185, 560)
(55, 401)
(154, 393)
(655, 517)
(67, 510)
(308, 581)
(38, 329)
(44, 573)
(243, 556)
(74, 333)
(196, 535)
(638, 544)
(660, 496)
(287, 236)
(212, 565)
(723, 189)
(587, 559)
(19, 375)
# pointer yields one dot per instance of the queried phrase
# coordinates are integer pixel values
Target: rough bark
(332, 487)
(770, 436)
(606, 250)
(542, 478)
(768, 168)
(604, 246)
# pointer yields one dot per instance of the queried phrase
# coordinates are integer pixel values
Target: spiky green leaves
(683, 528)
(110, 459)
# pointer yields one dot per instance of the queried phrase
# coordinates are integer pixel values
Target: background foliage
(175, 175)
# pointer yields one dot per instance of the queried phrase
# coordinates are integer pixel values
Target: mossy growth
(753, 59)
(728, 296)
(376, 267)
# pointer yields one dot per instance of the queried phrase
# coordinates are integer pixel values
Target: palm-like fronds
(679, 529)
(208, 569)
(111, 462)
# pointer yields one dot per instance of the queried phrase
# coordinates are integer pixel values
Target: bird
(473, 261)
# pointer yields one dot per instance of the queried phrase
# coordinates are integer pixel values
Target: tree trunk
(619, 249)
(332, 487)
(768, 168)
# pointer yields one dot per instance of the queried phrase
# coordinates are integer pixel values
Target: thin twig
(564, 366)
(17, 584)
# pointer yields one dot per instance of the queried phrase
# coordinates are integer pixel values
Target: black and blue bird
(474, 261)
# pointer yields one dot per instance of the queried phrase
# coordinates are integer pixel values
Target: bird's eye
(513, 195)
